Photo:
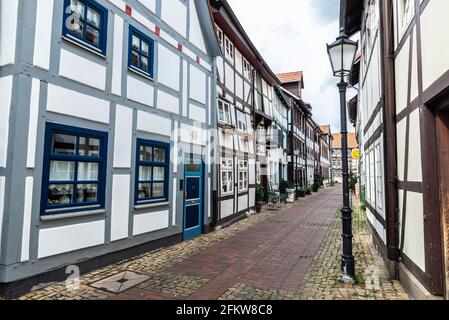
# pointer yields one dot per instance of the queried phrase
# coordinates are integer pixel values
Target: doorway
(193, 200)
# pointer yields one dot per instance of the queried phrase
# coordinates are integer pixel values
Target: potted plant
(301, 192)
(308, 191)
(260, 197)
(283, 186)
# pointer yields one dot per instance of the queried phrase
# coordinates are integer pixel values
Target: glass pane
(136, 43)
(60, 194)
(87, 171)
(87, 193)
(146, 153)
(62, 171)
(135, 59)
(144, 190)
(145, 173)
(77, 8)
(193, 188)
(158, 190)
(89, 147)
(63, 144)
(144, 63)
(93, 18)
(145, 48)
(93, 35)
(158, 174)
(159, 155)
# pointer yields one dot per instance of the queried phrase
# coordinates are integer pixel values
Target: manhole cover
(120, 282)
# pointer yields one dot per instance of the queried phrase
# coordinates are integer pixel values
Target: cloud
(291, 35)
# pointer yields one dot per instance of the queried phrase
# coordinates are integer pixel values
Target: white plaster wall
(174, 13)
(79, 69)
(145, 223)
(197, 84)
(229, 77)
(123, 137)
(252, 197)
(401, 72)
(167, 102)
(169, 66)
(5, 107)
(185, 93)
(149, 4)
(69, 102)
(434, 31)
(197, 113)
(120, 206)
(26, 227)
(414, 157)
(227, 208)
(414, 230)
(401, 135)
(8, 29)
(152, 123)
(42, 39)
(414, 87)
(2, 204)
(196, 35)
(117, 56)
(243, 203)
(239, 86)
(33, 120)
(140, 91)
(68, 238)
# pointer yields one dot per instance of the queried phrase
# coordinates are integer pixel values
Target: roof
(351, 16)
(289, 77)
(352, 141)
(326, 128)
(208, 27)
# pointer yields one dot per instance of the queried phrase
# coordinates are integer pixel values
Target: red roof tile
(289, 77)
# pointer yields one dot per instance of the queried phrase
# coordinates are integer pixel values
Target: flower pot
(259, 206)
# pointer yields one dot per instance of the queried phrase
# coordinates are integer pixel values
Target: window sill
(83, 45)
(140, 73)
(72, 215)
(151, 205)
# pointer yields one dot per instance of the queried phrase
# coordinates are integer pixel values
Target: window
(406, 10)
(74, 169)
(85, 22)
(243, 175)
(246, 69)
(141, 52)
(220, 37)
(229, 49)
(241, 121)
(152, 171)
(227, 178)
(224, 112)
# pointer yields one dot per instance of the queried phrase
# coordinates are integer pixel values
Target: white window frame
(246, 69)
(242, 124)
(243, 175)
(227, 169)
(220, 36)
(229, 49)
(224, 108)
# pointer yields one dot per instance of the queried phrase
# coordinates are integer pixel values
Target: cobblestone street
(291, 254)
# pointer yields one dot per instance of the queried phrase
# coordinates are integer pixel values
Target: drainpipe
(215, 146)
(390, 142)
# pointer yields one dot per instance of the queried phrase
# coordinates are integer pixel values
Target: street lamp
(296, 152)
(342, 55)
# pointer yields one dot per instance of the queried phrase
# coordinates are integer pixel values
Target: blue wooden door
(193, 201)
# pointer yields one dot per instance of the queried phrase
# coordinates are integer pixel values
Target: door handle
(186, 195)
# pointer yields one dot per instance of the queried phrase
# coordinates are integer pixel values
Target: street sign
(356, 154)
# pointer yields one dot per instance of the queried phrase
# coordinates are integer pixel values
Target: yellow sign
(356, 154)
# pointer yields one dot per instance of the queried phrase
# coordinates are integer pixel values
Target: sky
(291, 35)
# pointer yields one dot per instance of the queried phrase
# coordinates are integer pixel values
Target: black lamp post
(296, 153)
(342, 55)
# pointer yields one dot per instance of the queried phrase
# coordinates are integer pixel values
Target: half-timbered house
(105, 111)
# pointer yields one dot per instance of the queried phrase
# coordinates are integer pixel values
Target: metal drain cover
(120, 282)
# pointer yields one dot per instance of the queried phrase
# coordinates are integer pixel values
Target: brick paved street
(292, 254)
